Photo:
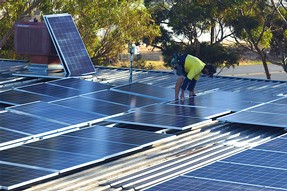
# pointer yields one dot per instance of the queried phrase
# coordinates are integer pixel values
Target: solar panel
(13, 177)
(278, 109)
(276, 145)
(28, 124)
(215, 103)
(92, 105)
(255, 118)
(58, 113)
(181, 110)
(83, 86)
(10, 137)
(16, 97)
(259, 157)
(69, 44)
(281, 101)
(51, 90)
(119, 135)
(197, 184)
(145, 90)
(44, 158)
(243, 174)
(122, 98)
(158, 120)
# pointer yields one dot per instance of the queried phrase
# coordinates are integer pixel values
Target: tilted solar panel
(243, 174)
(17, 97)
(182, 110)
(28, 124)
(145, 90)
(254, 118)
(51, 90)
(69, 44)
(120, 135)
(10, 137)
(158, 120)
(279, 109)
(13, 177)
(58, 113)
(92, 105)
(201, 184)
(215, 103)
(83, 86)
(122, 98)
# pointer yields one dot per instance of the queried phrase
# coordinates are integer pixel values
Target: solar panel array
(69, 45)
(63, 153)
(261, 168)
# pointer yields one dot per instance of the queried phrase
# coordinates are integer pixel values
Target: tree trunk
(11, 30)
(263, 57)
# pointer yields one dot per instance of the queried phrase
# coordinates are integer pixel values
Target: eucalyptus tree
(251, 23)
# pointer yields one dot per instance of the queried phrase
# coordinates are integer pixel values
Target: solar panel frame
(30, 125)
(18, 97)
(14, 177)
(130, 100)
(200, 184)
(10, 137)
(120, 135)
(94, 106)
(256, 118)
(278, 109)
(69, 44)
(159, 120)
(181, 110)
(145, 90)
(243, 174)
(57, 113)
(84, 86)
(50, 90)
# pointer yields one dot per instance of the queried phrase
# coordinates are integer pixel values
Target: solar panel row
(69, 151)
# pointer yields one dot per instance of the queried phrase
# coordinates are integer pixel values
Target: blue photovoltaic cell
(278, 109)
(56, 112)
(183, 110)
(158, 120)
(255, 118)
(263, 158)
(51, 90)
(183, 183)
(43, 158)
(98, 149)
(122, 98)
(243, 174)
(147, 91)
(119, 135)
(215, 103)
(8, 137)
(69, 44)
(28, 124)
(16, 97)
(237, 96)
(12, 177)
(83, 86)
(276, 145)
(92, 105)
(281, 101)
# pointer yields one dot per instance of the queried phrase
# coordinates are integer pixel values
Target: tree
(184, 22)
(105, 26)
(251, 23)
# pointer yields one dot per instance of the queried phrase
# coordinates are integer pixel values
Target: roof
(182, 152)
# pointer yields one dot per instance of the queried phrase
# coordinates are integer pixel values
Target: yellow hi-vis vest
(193, 67)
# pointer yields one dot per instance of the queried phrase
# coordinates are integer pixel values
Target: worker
(188, 69)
